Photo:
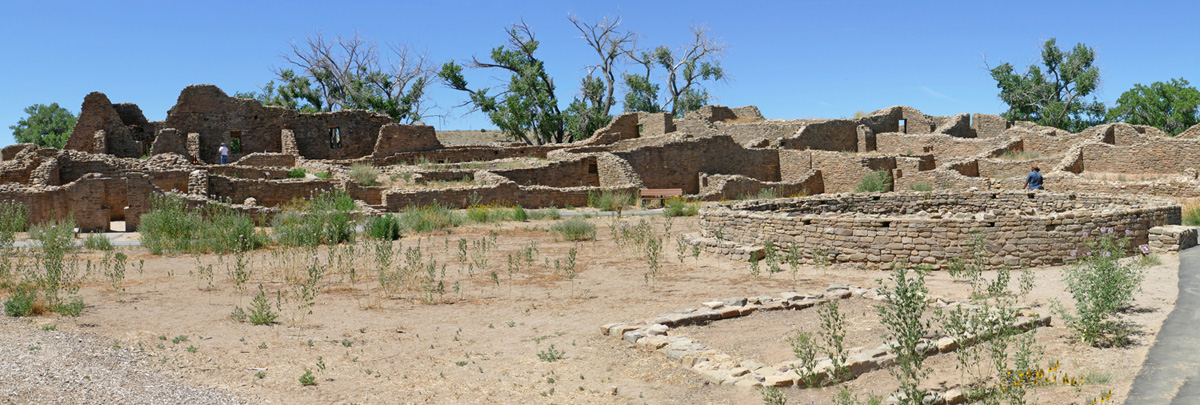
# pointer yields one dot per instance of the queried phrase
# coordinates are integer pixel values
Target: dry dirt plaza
(512, 312)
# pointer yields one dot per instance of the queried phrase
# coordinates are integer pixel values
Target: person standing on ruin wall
(1034, 180)
(224, 151)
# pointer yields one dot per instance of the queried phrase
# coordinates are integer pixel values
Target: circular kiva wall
(876, 230)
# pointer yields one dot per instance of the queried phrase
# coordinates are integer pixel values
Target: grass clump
(679, 207)
(171, 226)
(921, 186)
(364, 174)
(575, 229)
(323, 175)
(297, 173)
(874, 182)
(430, 218)
(609, 200)
(385, 227)
(97, 241)
(325, 219)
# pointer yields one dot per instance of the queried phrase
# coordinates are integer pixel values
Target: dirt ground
(479, 341)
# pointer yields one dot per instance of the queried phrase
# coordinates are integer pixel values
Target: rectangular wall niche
(335, 138)
(235, 141)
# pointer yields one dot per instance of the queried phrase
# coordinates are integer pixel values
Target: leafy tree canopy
(1171, 106)
(349, 74)
(1055, 93)
(46, 126)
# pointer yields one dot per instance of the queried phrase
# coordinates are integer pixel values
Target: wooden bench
(659, 194)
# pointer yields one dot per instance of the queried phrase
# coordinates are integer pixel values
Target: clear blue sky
(791, 59)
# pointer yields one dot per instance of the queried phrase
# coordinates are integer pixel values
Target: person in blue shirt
(1034, 180)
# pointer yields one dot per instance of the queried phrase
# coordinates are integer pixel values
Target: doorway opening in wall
(235, 141)
(904, 126)
(146, 147)
(335, 138)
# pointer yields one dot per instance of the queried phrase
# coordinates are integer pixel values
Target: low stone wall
(579, 172)
(1172, 238)
(719, 187)
(875, 230)
(269, 193)
(268, 160)
(496, 194)
(458, 154)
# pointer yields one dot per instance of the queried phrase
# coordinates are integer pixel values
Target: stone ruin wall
(507, 193)
(1030, 229)
(721, 187)
(678, 164)
(578, 172)
(269, 193)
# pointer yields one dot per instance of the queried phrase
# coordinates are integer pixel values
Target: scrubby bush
(97, 241)
(325, 219)
(364, 174)
(876, 181)
(1101, 285)
(171, 226)
(12, 220)
(429, 218)
(385, 227)
(1191, 213)
(575, 229)
(297, 173)
(609, 200)
(678, 207)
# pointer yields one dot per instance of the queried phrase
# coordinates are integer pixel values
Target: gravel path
(41, 367)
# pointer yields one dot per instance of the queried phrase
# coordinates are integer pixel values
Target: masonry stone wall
(876, 230)
(988, 125)
(677, 163)
(720, 187)
(269, 193)
(119, 138)
(944, 146)
(843, 172)
(267, 159)
(395, 138)
(371, 195)
(458, 154)
(170, 140)
(1004, 168)
(832, 135)
(496, 194)
(578, 172)
(655, 124)
(1166, 156)
(613, 171)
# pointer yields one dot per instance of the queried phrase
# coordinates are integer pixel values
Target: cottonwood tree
(47, 126)
(1056, 95)
(349, 73)
(526, 108)
(592, 109)
(611, 44)
(685, 68)
(1171, 107)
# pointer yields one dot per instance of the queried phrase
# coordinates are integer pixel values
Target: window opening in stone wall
(592, 169)
(904, 126)
(335, 137)
(235, 141)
